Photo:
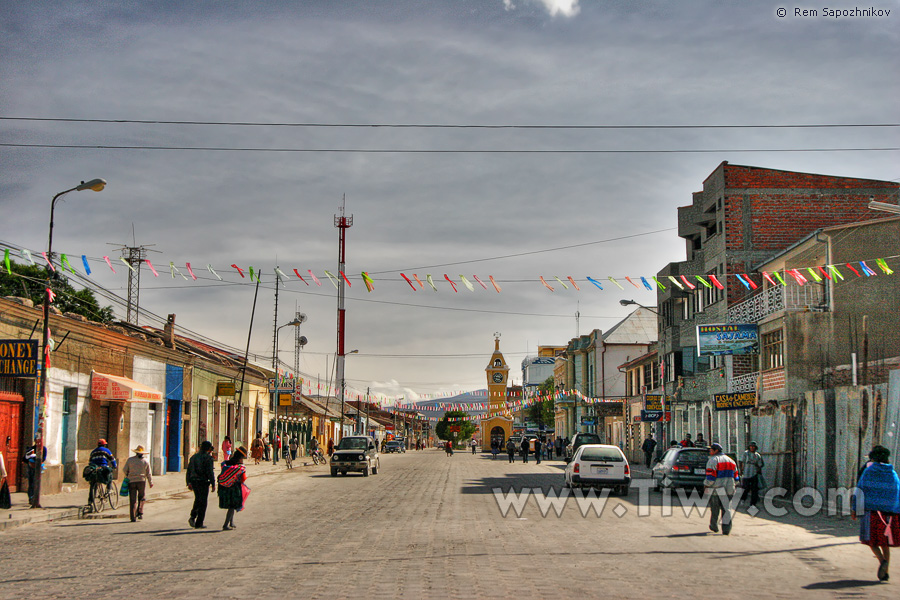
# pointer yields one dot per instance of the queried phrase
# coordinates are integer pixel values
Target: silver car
(357, 453)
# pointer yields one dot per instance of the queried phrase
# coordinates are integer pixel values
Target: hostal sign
(18, 358)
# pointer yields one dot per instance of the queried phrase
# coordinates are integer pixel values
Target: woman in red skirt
(878, 496)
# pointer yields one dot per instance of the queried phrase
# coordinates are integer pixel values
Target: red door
(10, 436)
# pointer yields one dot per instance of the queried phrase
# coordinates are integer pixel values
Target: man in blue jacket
(104, 462)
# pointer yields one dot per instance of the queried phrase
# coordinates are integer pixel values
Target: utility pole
(274, 433)
(367, 411)
(343, 223)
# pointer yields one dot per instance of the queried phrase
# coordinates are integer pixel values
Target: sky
(515, 203)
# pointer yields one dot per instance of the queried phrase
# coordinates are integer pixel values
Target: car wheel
(366, 472)
(623, 490)
(375, 468)
(334, 472)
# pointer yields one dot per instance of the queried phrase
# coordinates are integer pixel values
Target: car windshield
(588, 438)
(692, 456)
(604, 454)
(349, 443)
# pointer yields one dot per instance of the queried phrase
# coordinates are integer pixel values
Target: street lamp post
(295, 323)
(96, 185)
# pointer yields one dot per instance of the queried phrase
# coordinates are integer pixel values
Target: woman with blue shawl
(877, 494)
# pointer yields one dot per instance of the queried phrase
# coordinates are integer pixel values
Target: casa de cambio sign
(18, 358)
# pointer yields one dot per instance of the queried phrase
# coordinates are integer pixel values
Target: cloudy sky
(580, 202)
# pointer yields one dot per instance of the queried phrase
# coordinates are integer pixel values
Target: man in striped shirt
(721, 476)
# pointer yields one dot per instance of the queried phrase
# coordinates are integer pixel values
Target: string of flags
(750, 281)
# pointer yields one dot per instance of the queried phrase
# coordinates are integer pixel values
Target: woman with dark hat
(232, 490)
(879, 526)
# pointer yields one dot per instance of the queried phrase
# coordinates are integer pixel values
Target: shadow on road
(841, 584)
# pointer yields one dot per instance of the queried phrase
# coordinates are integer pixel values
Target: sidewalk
(69, 505)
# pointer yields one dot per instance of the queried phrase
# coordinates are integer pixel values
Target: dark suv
(680, 467)
(578, 440)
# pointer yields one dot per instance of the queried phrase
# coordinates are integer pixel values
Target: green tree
(466, 428)
(543, 413)
(28, 281)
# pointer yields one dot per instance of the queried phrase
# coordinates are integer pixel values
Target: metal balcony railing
(744, 383)
(792, 296)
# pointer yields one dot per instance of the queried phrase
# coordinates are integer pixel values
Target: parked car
(599, 466)
(578, 440)
(394, 446)
(680, 467)
(357, 453)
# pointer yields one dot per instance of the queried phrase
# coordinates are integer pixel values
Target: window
(773, 349)
(70, 398)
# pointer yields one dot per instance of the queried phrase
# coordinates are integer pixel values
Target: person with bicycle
(103, 461)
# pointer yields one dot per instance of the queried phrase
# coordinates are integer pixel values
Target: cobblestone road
(428, 526)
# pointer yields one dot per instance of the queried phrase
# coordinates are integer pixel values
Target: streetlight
(342, 396)
(96, 185)
(662, 424)
(295, 323)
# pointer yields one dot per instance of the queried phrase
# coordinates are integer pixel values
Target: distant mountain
(432, 407)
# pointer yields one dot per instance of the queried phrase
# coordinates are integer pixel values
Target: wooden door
(11, 424)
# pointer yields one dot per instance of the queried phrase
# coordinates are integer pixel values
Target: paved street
(428, 526)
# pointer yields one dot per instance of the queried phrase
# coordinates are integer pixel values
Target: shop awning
(123, 389)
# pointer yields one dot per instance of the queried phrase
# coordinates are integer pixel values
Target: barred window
(773, 349)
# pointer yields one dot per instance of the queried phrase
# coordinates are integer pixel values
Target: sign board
(18, 358)
(735, 401)
(225, 388)
(454, 428)
(653, 402)
(654, 415)
(285, 398)
(286, 385)
(588, 421)
(719, 340)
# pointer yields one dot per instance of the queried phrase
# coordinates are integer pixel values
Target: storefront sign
(653, 415)
(285, 399)
(735, 401)
(653, 402)
(18, 358)
(225, 388)
(719, 340)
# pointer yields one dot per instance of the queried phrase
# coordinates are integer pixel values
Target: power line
(448, 125)
(443, 151)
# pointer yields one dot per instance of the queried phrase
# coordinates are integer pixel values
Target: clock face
(498, 378)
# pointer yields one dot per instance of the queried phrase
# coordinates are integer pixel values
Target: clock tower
(497, 426)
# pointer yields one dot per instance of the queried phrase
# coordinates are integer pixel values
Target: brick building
(741, 218)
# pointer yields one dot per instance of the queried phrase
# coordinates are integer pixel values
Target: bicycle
(318, 457)
(103, 493)
(286, 455)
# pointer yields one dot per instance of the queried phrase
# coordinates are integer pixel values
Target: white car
(599, 465)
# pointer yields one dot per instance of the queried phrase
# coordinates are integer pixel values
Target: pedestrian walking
(700, 442)
(879, 523)
(267, 447)
(330, 446)
(31, 472)
(721, 476)
(5, 498)
(257, 448)
(495, 448)
(511, 450)
(232, 491)
(472, 443)
(227, 447)
(537, 450)
(751, 464)
(276, 448)
(201, 479)
(137, 470)
(549, 446)
(524, 446)
(448, 448)
(648, 447)
(295, 445)
(558, 446)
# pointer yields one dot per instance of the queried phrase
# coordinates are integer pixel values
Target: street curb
(72, 512)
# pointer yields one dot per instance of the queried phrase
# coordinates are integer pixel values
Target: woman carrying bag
(232, 490)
